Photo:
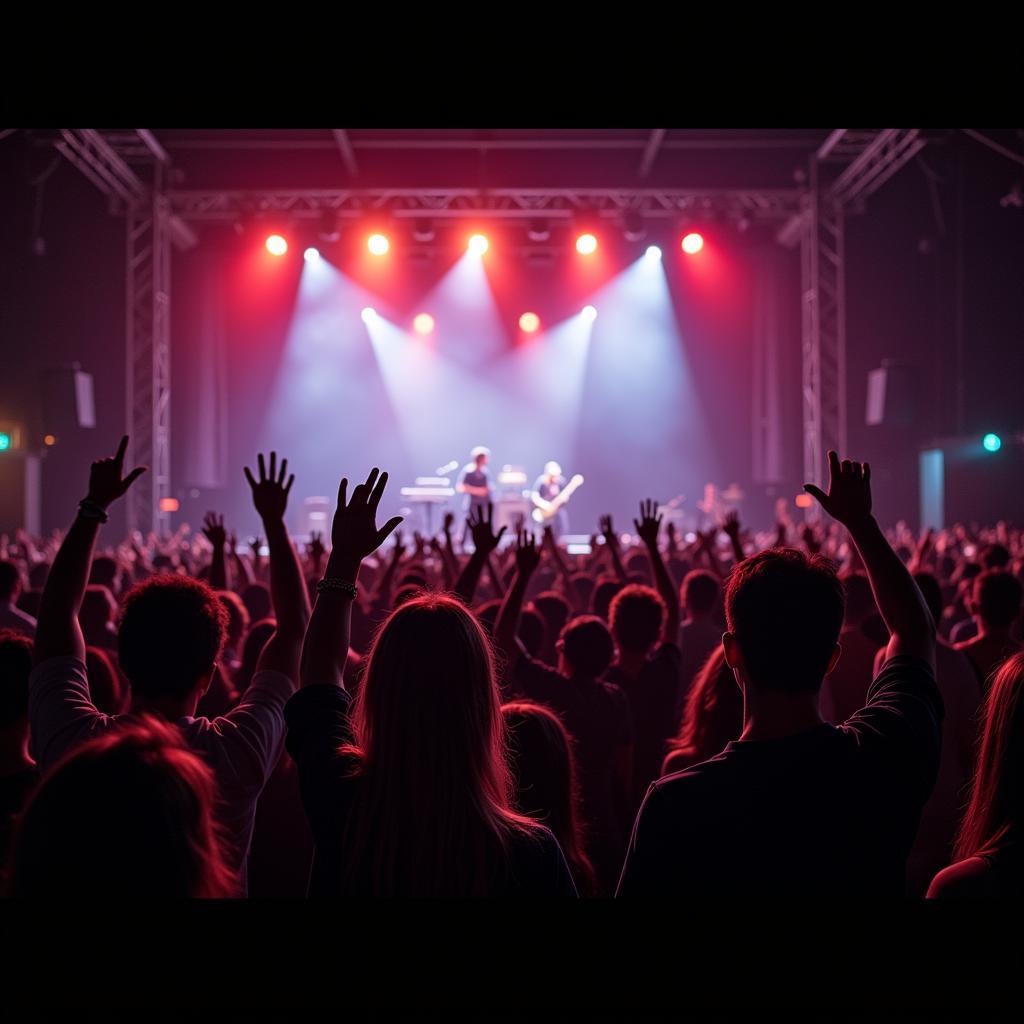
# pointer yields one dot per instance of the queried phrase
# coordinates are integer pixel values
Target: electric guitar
(543, 515)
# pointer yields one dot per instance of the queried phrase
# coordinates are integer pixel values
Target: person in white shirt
(170, 637)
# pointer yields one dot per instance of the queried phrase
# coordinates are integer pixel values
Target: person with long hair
(713, 717)
(989, 851)
(544, 768)
(126, 815)
(408, 792)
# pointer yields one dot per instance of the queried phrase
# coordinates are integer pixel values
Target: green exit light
(992, 442)
(5, 441)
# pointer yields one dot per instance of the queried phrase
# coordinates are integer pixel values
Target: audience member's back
(797, 807)
(17, 770)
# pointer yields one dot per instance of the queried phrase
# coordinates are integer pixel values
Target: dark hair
(605, 591)
(255, 640)
(406, 592)
(700, 591)
(713, 716)
(786, 611)
(238, 616)
(587, 645)
(15, 667)
(171, 633)
(554, 608)
(97, 614)
(10, 579)
(932, 593)
(105, 571)
(994, 556)
(433, 814)
(637, 617)
(127, 815)
(532, 631)
(583, 586)
(256, 597)
(544, 770)
(108, 692)
(860, 601)
(997, 596)
(995, 811)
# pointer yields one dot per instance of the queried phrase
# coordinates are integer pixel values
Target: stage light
(5, 441)
(169, 505)
(693, 243)
(423, 323)
(49, 440)
(378, 244)
(803, 501)
(529, 322)
(311, 255)
(992, 442)
(478, 245)
(586, 245)
(653, 252)
(368, 314)
(276, 245)
(589, 313)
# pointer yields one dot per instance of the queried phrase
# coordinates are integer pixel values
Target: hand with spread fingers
(354, 532)
(270, 492)
(649, 523)
(481, 523)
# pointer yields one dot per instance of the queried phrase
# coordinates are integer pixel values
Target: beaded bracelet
(91, 510)
(332, 583)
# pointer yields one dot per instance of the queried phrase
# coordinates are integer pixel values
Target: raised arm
(354, 535)
(244, 575)
(507, 623)
(58, 633)
(731, 528)
(899, 599)
(287, 585)
(561, 564)
(647, 527)
(215, 533)
(612, 543)
(480, 524)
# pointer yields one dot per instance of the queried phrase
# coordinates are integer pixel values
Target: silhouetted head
(996, 598)
(699, 593)
(480, 455)
(860, 601)
(255, 640)
(784, 612)
(171, 633)
(932, 593)
(128, 815)
(106, 572)
(586, 647)
(108, 692)
(10, 581)
(238, 617)
(544, 773)
(605, 590)
(994, 556)
(637, 618)
(532, 631)
(99, 609)
(555, 610)
(256, 597)
(15, 667)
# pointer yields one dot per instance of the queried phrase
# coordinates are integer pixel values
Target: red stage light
(378, 244)
(804, 501)
(169, 505)
(693, 243)
(276, 245)
(529, 322)
(586, 245)
(423, 323)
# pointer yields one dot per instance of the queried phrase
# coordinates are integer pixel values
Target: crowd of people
(825, 709)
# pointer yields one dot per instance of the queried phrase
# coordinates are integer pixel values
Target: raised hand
(233, 542)
(354, 532)
(106, 484)
(608, 531)
(255, 546)
(270, 492)
(315, 548)
(480, 523)
(649, 523)
(213, 529)
(449, 522)
(399, 549)
(731, 526)
(420, 543)
(848, 500)
(527, 552)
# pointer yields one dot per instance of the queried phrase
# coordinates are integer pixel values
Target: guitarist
(546, 489)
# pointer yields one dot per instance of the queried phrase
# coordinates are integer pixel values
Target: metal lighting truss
(848, 167)
(104, 159)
